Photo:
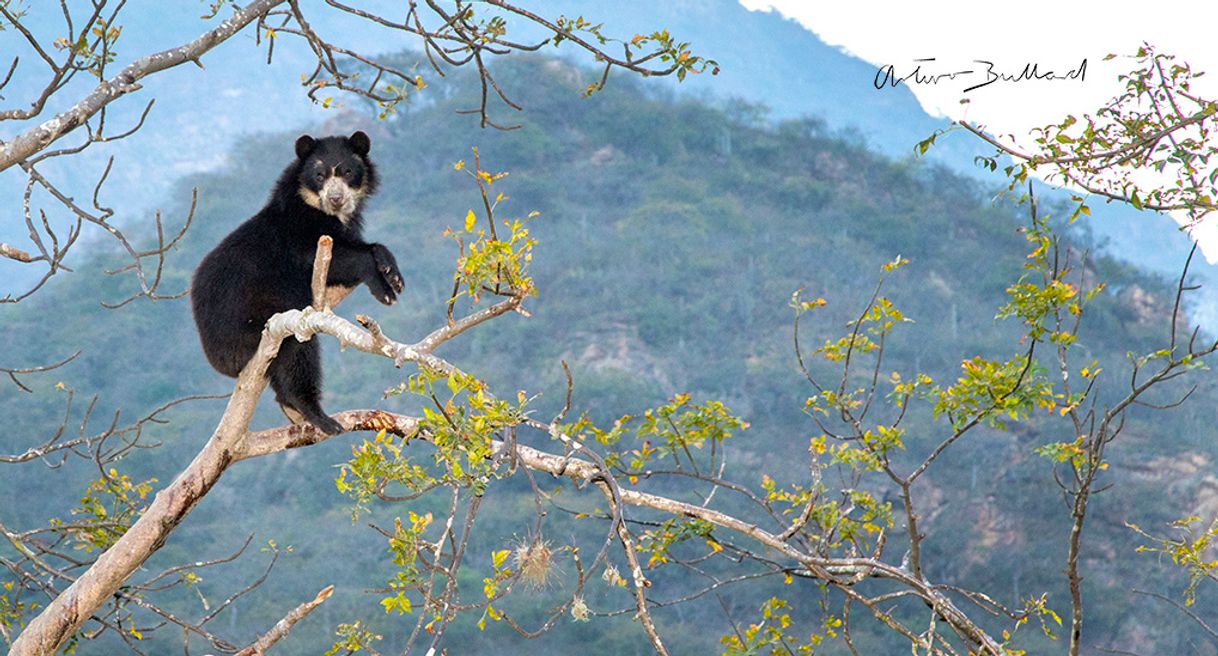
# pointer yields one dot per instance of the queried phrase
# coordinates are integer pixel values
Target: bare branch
(13, 373)
(281, 628)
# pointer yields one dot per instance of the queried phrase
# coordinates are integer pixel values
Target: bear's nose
(335, 197)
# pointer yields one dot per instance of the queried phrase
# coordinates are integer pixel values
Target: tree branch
(281, 628)
(38, 138)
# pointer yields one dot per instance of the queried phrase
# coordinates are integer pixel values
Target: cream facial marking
(336, 197)
(310, 198)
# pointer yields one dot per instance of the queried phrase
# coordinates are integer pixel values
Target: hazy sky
(1055, 35)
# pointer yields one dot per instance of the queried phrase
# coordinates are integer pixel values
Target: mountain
(765, 59)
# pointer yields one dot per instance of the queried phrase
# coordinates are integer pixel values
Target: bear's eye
(345, 171)
(320, 176)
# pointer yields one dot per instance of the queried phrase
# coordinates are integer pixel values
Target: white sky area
(1056, 35)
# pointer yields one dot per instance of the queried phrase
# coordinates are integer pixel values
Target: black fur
(265, 266)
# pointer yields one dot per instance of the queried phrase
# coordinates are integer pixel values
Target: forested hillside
(672, 234)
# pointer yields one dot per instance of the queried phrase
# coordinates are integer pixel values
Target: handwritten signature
(986, 72)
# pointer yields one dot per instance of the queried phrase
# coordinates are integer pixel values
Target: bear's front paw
(382, 290)
(383, 293)
(387, 268)
(388, 298)
(393, 278)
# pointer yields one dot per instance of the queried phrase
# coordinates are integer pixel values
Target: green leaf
(399, 603)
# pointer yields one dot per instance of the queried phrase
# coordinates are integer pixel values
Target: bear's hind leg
(296, 378)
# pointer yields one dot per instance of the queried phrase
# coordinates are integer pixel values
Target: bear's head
(335, 174)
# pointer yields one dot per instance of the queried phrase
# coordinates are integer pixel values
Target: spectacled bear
(265, 266)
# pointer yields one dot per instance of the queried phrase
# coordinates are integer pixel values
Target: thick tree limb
(264, 443)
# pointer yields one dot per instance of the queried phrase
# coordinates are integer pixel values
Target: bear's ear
(304, 146)
(360, 143)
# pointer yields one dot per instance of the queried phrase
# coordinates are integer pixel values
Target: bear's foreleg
(370, 264)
